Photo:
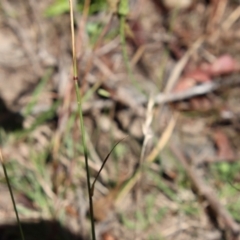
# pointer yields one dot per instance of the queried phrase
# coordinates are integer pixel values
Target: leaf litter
(186, 58)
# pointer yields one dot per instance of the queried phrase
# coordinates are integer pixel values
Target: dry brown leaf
(199, 75)
(191, 79)
(108, 236)
(223, 65)
(184, 84)
(223, 145)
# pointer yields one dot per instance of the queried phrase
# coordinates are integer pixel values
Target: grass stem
(11, 194)
(79, 103)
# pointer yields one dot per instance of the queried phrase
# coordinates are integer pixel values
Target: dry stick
(197, 90)
(11, 194)
(164, 138)
(79, 100)
(208, 193)
(181, 64)
(233, 17)
(174, 77)
(216, 15)
(108, 47)
(226, 25)
(147, 135)
(136, 103)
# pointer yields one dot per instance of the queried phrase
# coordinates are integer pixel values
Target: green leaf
(103, 93)
(57, 8)
(123, 8)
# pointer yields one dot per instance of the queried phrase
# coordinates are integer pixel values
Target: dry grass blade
(234, 16)
(150, 158)
(181, 64)
(163, 140)
(147, 135)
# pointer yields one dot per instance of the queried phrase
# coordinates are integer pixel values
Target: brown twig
(135, 101)
(197, 90)
(208, 193)
(181, 64)
(126, 96)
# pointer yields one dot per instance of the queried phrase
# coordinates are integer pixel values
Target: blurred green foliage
(62, 6)
(225, 171)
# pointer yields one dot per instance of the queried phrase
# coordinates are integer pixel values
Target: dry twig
(208, 193)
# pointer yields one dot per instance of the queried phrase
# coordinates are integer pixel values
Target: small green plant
(162, 186)
(155, 236)
(190, 208)
(161, 213)
(225, 171)
(93, 30)
(145, 217)
(33, 180)
(234, 209)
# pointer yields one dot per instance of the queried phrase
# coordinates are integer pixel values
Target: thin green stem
(74, 55)
(86, 159)
(101, 168)
(79, 103)
(11, 194)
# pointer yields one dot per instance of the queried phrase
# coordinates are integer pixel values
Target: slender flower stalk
(79, 103)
